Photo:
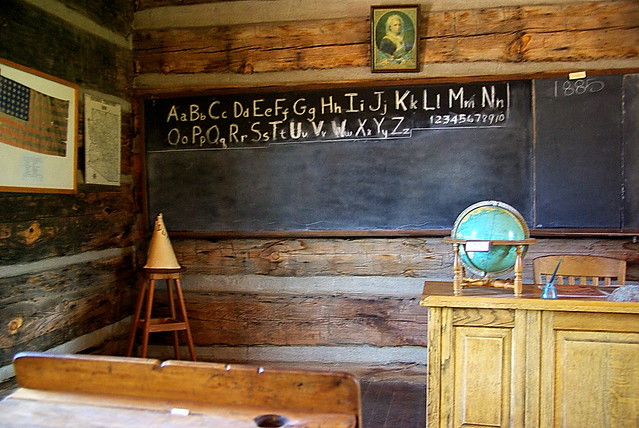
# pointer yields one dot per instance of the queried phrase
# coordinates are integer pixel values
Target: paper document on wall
(102, 124)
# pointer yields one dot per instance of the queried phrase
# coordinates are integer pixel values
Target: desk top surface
(570, 298)
(118, 392)
(51, 409)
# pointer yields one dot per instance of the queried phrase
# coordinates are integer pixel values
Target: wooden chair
(122, 392)
(580, 270)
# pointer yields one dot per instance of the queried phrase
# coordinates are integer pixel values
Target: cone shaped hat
(161, 254)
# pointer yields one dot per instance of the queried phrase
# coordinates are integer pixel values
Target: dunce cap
(161, 254)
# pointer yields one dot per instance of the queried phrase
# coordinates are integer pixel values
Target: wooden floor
(385, 404)
(393, 404)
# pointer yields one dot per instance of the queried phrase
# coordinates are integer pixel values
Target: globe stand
(460, 281)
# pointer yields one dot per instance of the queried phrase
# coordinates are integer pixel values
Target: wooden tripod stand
(174, 323)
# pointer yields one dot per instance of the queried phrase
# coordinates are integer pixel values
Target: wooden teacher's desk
(91, 391)
(499, 361)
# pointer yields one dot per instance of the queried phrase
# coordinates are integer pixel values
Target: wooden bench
(85, 390)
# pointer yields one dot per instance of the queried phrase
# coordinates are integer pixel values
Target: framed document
(38, 131)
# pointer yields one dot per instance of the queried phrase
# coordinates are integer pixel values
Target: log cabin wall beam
(215, 45)
(194, 13)
(86, 23)
(316, 299)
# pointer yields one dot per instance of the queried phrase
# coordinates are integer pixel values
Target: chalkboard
(389, 158)
(396, 157)
(586, 139)
(631, 151)
(578, 152)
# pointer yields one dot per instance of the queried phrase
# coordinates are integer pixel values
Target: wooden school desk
(118, 392)
(499, 361)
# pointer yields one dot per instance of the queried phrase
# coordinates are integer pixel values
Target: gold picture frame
(38, 131)
(395, 38)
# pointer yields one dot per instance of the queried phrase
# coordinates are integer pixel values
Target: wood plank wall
(67, 262)
(215, 44)
(542, 33)
(351, 300)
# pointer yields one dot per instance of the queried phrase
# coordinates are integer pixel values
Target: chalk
(577, 75)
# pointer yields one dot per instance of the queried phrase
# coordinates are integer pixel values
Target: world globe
(490, 221)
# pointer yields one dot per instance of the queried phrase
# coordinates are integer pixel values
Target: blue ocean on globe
(490, 221)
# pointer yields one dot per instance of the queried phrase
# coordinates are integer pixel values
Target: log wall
(228, 43)
(544, 33)
(352, 300)
(67, 262)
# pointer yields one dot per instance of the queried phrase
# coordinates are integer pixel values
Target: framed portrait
(38, 131)
(395, 38)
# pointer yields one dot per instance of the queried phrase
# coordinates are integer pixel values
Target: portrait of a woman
(394, 34)
(393, 43)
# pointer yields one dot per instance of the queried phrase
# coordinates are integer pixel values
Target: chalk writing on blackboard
(257, 120)
(569, 88)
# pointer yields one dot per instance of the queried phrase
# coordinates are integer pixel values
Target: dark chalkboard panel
(631, 151)
(578, 152)
(374, 158)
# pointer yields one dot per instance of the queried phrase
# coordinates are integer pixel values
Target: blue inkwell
(549, 291)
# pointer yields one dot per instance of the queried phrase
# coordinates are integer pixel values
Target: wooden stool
(153, 325)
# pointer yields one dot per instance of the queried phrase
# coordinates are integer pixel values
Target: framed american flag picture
(38, 131)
